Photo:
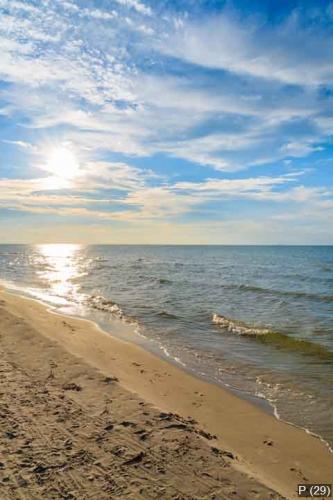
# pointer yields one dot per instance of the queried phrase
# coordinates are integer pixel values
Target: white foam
(109, 306)
(237, 327)
(276, 414)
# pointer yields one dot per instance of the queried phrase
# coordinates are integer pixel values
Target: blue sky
(129, 121)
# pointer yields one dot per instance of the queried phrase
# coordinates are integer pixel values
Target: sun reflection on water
(59, 266)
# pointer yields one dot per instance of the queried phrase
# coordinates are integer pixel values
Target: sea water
(256, 319)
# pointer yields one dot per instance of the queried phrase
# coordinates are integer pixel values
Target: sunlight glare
(62, 163)
(59, 267)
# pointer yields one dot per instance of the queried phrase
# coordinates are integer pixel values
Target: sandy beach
(85, 415)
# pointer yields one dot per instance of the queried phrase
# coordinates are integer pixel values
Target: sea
(257, 320)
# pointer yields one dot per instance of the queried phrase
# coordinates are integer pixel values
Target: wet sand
(84, 415)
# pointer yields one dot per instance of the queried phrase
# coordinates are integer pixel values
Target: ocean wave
(281, 293)
(100, 303)
(166, 314)
(276, 393)
(101, 267)
(276, 339)
(164, 281)
(237, 326)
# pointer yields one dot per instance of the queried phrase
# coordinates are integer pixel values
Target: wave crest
(109, 306)
(276, 339)
(237, 327)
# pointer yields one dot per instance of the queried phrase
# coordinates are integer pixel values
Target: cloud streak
(175, 116)
(291, 52)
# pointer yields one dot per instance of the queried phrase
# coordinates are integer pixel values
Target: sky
(166, 121)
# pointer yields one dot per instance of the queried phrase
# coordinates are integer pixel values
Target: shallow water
(276, 338)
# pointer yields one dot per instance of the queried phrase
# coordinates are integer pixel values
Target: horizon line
(178, 244)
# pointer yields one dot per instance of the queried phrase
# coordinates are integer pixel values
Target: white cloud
(117, 192)
(136, 5)
(21, 144)
(288, 52)
(98, 77)
(56, 62)
(98, 14)
(95, 179)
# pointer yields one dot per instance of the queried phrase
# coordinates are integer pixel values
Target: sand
(84, 415)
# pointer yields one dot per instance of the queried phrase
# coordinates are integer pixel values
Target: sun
(62, 162)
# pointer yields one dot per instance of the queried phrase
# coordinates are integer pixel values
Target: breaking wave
(237, 326)
(278, 340)
(100, 303)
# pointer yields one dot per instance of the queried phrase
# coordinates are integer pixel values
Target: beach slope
(84, 415)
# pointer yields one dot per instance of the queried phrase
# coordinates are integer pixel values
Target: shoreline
(278, 454)
(119, 328)
(121, 325)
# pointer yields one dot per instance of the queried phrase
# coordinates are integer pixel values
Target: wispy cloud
(120, 192)
(292, 52)
(199, 98)
(20, 144)
(51, 68)
(136, 5)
